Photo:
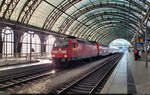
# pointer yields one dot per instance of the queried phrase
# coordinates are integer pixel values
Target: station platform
(15, 66)
(129, 77)
(19, 61)
(13, 71)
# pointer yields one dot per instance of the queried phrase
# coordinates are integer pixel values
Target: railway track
(94, 80)
(11, 81)
(19, 78)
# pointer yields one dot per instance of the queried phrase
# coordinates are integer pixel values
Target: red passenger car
(103, 50)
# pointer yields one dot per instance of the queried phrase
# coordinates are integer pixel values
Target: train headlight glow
(53, 72)
(53, 55)
(65, 56)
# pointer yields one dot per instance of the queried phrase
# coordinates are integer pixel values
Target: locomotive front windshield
(61, 43)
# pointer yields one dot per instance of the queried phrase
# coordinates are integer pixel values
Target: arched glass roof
(95, 20)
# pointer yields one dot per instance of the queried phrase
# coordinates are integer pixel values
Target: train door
(69, 49)
(98, 48)
(74, 49)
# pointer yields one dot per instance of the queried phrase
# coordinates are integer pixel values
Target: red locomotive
(68, 49)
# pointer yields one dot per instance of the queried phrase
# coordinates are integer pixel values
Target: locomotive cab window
(60, 43)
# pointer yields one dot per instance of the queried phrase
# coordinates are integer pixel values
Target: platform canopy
(94, 20)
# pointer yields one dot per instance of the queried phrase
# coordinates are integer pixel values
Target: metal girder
(87, 19)
(67, 23)
(145, 1)
(99, 35)
(125, 24)
(51, 19)
(107, 19)
(55, 14)
(112, 21)
(109, 31)
(5, 23)
(7, 8)
(107, 34)
(106, 41)
(136, 4)
(28, 10)
(116, 32)
(2, 4)
(110, 39)
(97, 30)
(102, 33)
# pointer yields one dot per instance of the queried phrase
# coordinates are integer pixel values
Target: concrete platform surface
(141, 76)
(117, 82)
(41, 61)
(129, 76)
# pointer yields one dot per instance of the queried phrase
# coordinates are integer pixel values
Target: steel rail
(21, 80)
(89, 82)
(24, 76)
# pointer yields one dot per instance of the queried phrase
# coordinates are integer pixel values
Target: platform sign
(141, 40)
(137, 41)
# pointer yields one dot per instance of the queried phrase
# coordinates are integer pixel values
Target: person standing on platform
(136, 54)
(139, 54)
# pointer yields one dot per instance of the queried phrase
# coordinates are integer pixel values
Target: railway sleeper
(74, 91)
(87, 83)
(83, 86)
(95, 80)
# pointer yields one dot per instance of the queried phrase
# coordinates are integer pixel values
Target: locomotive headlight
(59, 49)
(65, 56)
(53, 55)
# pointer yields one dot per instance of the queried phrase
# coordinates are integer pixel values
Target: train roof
(79, 39)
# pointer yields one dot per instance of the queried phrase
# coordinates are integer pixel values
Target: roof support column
(17, 43)
(145, 22)
(1, 42)
(146, 44)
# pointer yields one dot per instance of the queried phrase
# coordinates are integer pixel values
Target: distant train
(68, 49)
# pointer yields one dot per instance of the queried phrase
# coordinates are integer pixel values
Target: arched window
(30, 40)
(8, 42)
(49, 44)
